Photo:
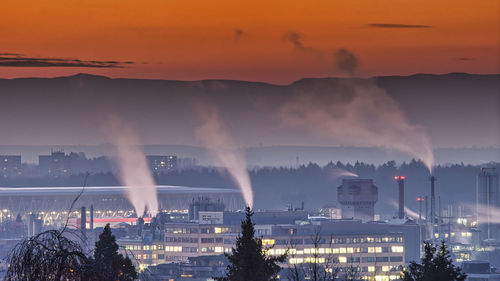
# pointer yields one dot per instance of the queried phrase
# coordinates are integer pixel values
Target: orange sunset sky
(273, 41)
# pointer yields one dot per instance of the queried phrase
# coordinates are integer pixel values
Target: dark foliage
(436, 266)
(275, 188)
(248, 261)
(108, 264)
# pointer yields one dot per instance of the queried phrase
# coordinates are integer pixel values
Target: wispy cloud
(18, 60)
(296, 39)
(397, 25)
(346, 61)
(465, 59)
(238, 33)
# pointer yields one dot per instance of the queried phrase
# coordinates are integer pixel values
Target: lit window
(397, 249)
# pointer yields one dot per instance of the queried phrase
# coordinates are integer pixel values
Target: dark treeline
(275, 188)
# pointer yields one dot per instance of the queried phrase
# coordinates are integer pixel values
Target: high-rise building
(10, 166)
(54, 164)
(488, 202)
(162, 163)
(357, 198)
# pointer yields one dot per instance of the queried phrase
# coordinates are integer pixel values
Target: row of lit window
(462, 234)
(144, 247)
(182, 230)
(212, 250)
(173, 249)
(347, 250)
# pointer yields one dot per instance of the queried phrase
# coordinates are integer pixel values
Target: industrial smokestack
(401, 188)
(83, 219)
(91, 217)
(433, 206)
(140, 226)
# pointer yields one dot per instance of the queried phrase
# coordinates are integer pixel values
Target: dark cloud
(397, 25)
(238, 33)
(296, 39)
(346, 61)
(17, 60)
(465, 59)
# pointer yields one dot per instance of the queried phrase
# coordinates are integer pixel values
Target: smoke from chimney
(223, 147)
(133, 170)
(356, 112)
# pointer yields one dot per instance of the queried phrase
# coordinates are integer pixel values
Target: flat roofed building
(375, 249)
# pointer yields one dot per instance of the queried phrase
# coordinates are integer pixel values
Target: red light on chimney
(396, 178)
(402, 177)
(420, 198)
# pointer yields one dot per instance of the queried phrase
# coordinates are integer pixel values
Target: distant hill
(458, 110)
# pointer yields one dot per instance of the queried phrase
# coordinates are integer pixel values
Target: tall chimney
(433, 207)
(83, 219)
(91, 217)
(401, 188)
(140, 226)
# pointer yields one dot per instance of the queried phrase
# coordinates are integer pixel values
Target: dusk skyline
(277, 42)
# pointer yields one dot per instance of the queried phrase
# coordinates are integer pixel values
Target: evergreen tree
(109, 265)
(436, 266)
(248, 261)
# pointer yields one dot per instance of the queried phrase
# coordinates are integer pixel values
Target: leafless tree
(50, 255)
(352, 272)
(316, 269)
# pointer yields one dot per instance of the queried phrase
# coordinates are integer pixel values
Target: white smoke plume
(337, 173)
(357, 112)
(484, 213)
(133, 170)
(409, 212)
(224, 148)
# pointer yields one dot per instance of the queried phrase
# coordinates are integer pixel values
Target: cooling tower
(357, 198)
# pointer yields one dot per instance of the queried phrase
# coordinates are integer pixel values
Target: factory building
(375, 249)
(488, 202)
(357, 198)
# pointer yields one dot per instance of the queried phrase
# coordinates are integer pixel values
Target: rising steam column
(357, 198)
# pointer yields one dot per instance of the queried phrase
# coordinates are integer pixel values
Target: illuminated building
(55, 164)
(162, 164)
(10, 166)
(374, 249)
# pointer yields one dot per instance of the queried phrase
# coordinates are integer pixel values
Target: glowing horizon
(276, 42)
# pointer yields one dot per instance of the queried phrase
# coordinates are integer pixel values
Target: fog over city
(231, 141)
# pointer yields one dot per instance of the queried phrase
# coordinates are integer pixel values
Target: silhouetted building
(10, 166)
(204, 205)
(357, 198)
(480, 271)
(59, 164)
(162, 163)
(488, 202)
(54, 164)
